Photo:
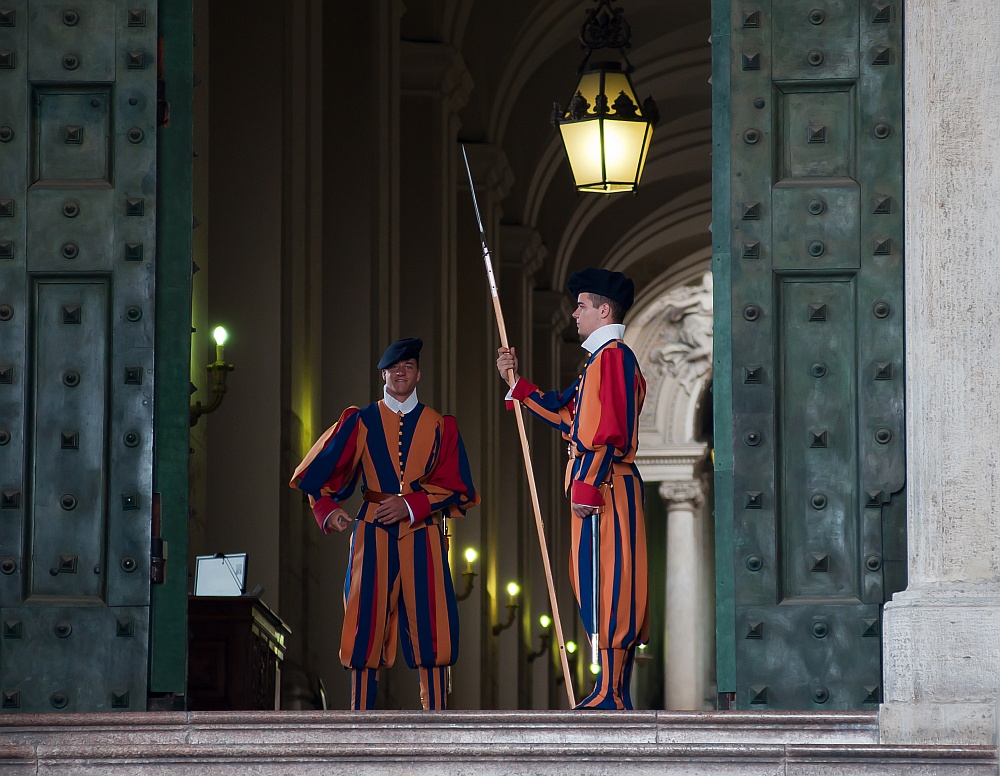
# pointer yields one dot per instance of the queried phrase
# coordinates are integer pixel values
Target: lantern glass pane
(582, 140)
(623, 149)
(615, 84)
(645, 150)
(590, 87)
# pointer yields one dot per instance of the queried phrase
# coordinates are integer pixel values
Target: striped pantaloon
(623, 603)
(399, 585)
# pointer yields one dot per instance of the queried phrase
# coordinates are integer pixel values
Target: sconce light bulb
(595, 669)
(642, 646)
(471, 555)
(220, 335)
(513, 589)
(571, 647)
(545, 621)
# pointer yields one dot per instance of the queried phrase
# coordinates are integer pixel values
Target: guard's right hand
(338, 519)
(506, 363)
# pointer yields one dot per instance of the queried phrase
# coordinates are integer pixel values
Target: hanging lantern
(604, 130)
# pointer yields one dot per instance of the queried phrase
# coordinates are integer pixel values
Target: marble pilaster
(941, 663)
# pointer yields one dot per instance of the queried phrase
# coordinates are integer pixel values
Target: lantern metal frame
(605, 26)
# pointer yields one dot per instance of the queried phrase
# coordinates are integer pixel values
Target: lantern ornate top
(605, 27)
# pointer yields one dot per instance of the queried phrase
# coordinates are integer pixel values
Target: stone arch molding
(672, 339)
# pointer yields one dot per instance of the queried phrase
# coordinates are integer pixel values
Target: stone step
(472, 743)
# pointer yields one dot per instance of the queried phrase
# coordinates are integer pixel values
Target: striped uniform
(598, 416)
(398, 574)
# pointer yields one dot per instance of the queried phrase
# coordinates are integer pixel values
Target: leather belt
(374, 497)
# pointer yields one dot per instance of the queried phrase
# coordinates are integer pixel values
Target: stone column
(521, 254)
(435, 85)
(550, 313)
(684, 684)
(941, 664)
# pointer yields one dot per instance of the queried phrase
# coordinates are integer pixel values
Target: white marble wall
(942, 634)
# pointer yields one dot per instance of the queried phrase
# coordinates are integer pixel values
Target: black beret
(400, 350)
(604, 282)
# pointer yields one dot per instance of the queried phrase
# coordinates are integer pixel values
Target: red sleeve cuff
(419, 504)
(585, 494)
(322, 509)
(523, 389)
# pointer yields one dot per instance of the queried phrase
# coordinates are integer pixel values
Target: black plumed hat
(400, 350)
(604, 282)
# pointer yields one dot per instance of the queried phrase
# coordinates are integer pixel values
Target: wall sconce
(219, 369)
(512, 590)
(604, 132)
(544, 638)
(570, 652)
(469, 574)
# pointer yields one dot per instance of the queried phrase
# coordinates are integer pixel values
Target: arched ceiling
(522, 56)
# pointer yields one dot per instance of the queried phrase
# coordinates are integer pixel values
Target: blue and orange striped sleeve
(605, 424)
(448, 486)
(553, 407)
(329, 471)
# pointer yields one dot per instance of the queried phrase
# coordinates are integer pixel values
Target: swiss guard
(414, 472)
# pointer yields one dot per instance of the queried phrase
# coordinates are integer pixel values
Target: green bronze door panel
(816, 226)
(815, 140)
(72, 134)
(77, 250)
(815, 177)
(66, 506)
(71, 42)
(817, 442)
(14, 144)
(799, 660)
(73, 659)
(817, 41)
(86, 236)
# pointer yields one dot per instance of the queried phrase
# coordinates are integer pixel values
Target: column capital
(522, 248)
(683, 490)
(490, 168)
(435, 68)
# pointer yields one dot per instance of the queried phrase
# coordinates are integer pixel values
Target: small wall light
(571, 648)
(595, 669)
(512, 590)
(219, 369)
(543, 638)
(469, 574)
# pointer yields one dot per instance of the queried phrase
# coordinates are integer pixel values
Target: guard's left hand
(392, 510)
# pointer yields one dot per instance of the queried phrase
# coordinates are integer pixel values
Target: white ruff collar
(406, 406)
(602, 336)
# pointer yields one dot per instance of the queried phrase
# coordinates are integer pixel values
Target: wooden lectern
(235, 652)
